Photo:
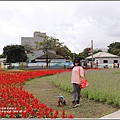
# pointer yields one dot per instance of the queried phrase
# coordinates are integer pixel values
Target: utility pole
(92, 51)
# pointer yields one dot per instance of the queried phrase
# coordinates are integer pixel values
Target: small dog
(61, 100)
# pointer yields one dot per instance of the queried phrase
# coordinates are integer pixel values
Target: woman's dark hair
(76, 60)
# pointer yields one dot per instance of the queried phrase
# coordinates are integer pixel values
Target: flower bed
(15, 102)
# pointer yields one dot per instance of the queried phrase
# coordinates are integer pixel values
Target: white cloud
(75, 23)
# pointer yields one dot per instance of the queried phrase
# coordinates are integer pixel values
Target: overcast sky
(75, 23)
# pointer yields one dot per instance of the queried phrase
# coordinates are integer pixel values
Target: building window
(115, 61)
(105, 61)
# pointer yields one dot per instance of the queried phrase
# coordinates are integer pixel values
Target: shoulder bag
(84, 83)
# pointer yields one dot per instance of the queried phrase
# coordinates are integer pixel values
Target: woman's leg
(74, 96)
(79, 93)
(74, 92)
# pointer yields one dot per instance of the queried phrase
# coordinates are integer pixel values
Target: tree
(86, 52)
(14, 53)
(63, 51)
(96, 51)
(48, 44)
(114, 48)
(82, 56)
(28, 48)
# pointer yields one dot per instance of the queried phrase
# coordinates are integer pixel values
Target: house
(54, 61)
(33, 55)
(103, 59)
(52, 57)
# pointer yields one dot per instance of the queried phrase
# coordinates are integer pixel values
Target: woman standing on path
(76, 79)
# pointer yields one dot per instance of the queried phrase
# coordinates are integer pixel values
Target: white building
(37, 36)
(104, 59)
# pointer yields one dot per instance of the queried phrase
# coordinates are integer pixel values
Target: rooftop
(103, 55)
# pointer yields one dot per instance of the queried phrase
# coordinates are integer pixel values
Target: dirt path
(47, 93)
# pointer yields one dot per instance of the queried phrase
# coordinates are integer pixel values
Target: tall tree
(63, 51)
(86, 52)
(48, 44)
(14, 53)
(28, 48)
(114, 48)
(96, 51)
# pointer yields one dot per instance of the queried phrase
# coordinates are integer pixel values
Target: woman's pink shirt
(76, 73)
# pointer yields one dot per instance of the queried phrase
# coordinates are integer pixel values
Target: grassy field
(100, 98)
(104, 85)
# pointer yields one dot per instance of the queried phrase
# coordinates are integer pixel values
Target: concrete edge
(112, 115)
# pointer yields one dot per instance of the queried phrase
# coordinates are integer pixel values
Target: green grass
(104, 85)
(98, 99)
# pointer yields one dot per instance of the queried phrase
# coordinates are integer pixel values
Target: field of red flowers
(15, 102)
